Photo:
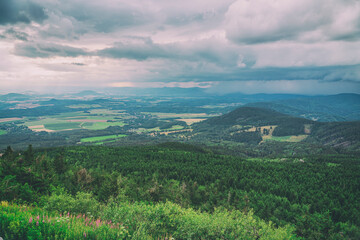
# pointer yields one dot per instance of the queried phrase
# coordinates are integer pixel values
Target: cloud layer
(88, 43)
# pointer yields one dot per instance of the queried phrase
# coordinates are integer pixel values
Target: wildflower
(68, 214)
(38, 217)
(84, 234)
(37, 223)
(4, 203)
(30, 220)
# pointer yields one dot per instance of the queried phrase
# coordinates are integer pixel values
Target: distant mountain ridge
(340, 107)
(14, 97)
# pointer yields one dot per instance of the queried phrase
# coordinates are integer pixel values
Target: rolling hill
(340, 107)
(253, 125)
(14, 97)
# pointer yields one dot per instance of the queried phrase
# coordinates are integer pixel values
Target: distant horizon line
(112, 90)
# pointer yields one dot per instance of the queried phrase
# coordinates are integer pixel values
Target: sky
(223, 46)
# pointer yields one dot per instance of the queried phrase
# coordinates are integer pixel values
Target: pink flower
(37, 223)
(30, 220)
(38, 217)
(84, 234)
(68, 214)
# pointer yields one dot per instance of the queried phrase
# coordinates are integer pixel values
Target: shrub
(82, 203)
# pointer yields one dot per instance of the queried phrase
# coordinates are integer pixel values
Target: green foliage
(246, 137)
(23, 222)
(169, 218)
(337, 133)
(289, 128)
(318, 200)
(136, 221)
(81, 203)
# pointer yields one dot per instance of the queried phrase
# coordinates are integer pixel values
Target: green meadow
(101, 125)
(62, 126)
(101, 138)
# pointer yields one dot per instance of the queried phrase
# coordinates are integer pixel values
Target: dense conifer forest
(314, 197)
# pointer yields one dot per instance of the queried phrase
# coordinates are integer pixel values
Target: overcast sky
(250, 46)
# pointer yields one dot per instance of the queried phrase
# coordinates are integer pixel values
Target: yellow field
(190, 121)
(9, 119)
(180, 115)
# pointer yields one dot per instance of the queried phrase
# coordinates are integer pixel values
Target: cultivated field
(9, 119)
(180, 115)
(102, 139)
(96, 119)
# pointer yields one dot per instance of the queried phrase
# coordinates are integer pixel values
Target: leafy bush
(82, 203)
(185, 223)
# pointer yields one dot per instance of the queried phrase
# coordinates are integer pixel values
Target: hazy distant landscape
(90, 117)
(174, 120)
(202, 152)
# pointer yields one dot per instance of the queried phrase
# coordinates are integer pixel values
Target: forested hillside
(341, 107)
(252, 125)
(317, 195)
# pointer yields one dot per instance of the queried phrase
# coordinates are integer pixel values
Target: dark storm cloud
(47, 50)
(198, 41)
(78, 64)
(323, 74)
(103, 17)
(142, 49)
(20, 11)
(257, 21)
(11, 33)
